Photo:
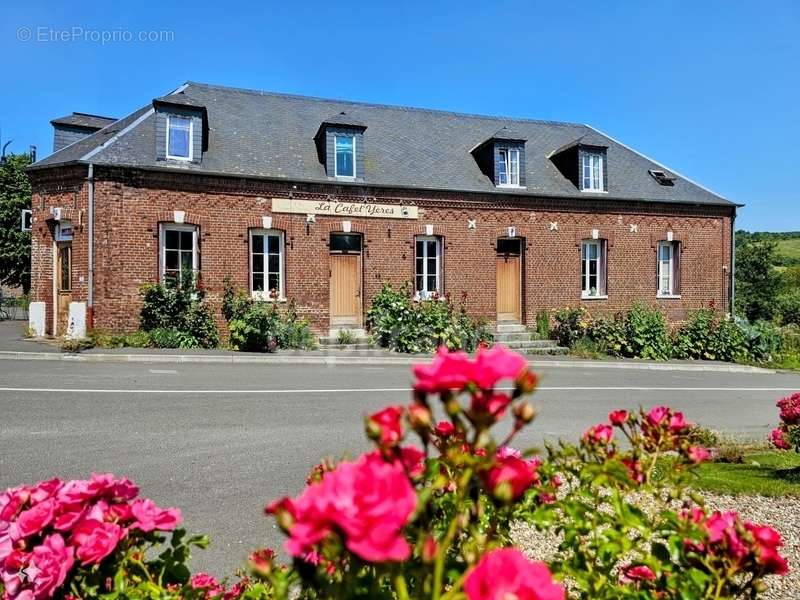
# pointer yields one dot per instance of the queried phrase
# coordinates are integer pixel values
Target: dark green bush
(727, 342)
(763, 339)
(571, 324)
(789, 307)
(692, 339)
(397, 322)
(543, 323)
(647, 335)
(167, 337)
(611, 335)
(180, 308)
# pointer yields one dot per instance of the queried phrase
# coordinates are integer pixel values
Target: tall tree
(15, 244)
(758, 283)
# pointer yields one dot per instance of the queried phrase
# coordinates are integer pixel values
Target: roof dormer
(502, 158)
(584, 162)
(340, 146)
(181, 130)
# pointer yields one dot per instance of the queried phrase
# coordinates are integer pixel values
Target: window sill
(668, 296)
(179, 158)
(265, 297)
(603, 297)
(594, 191)
(508, 186)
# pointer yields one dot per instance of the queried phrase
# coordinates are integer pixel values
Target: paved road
(221, 440)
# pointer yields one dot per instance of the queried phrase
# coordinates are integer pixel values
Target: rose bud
(524, 412)
(526, 382)
(429, 549)
(419, 417)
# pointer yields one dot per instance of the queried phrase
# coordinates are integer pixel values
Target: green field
(768, 473)
(790, 248)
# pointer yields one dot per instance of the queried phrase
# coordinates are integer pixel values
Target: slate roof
(270, 135)
(84, 121)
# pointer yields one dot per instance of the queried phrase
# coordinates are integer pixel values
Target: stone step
(357, 346)
(510, 327)
(550, 351)
(502, 338)
(334, 341)
(525, 344)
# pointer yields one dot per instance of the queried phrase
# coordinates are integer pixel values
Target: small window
(428, 266)
(25, 219)
(179, 256)
(508, 168)
(179, 137)
(345, 155)
(592, 172)
(509, 246)
(668, 271)
(593, 269)
(266, 264)
(346, 243)
(662, 178)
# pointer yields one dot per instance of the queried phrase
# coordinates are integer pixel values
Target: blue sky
(711, 89)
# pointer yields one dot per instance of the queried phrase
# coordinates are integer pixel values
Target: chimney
(72, 128)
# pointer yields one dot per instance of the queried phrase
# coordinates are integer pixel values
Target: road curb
(287, 359)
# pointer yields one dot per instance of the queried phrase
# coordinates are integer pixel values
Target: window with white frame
(593, 280)
(428, 268)
(266, 264)
(592, 171)
(668, 268)
(345, 162)
(508, 167)
(179, 137)
(179, 255)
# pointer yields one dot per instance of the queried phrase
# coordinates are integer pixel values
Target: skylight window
(662, 178)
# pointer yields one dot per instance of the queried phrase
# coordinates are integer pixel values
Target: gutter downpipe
(733, 262)
(90, 218)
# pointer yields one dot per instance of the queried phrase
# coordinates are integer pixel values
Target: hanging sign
(64, 231)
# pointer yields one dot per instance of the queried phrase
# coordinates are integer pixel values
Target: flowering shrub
(787, 435)
(88, 538)
(177, 315)
(427, 520)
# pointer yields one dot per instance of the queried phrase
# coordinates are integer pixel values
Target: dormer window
(508, 167)
(592, 172)
(179, 137)
(345, 155)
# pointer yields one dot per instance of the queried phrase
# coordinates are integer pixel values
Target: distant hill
(788, 244)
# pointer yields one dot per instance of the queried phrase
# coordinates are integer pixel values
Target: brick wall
(130, 204)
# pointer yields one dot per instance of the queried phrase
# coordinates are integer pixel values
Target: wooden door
(508, 287)
(345, 290)
(63, 276)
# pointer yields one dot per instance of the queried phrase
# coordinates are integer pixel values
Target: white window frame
(265, 294)
(191, 137)
(512, 175)
(670, 266)
(426, 293)
(23, 213)
(595, 184)
(585, 275)
(162, 248)
(336, 162)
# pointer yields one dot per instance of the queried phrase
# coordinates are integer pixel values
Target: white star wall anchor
(553, 226)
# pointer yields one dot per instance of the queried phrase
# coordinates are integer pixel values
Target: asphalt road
(221, 440)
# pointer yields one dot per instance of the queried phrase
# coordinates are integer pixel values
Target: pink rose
(697, 454)
(677, 423)
(204, 581)
(618, 417)
(36, 518)
(633, 573)
(444, 429)
(722, 531)
(45, 489)
(505, 452)
(447, 371)
(413, 460)
(767, 541)
(489, 404)
(369, 501)
(790, 409)
(149, 516)
(510, 476)
(495, 364)
(779, 439)
(658, 415)
(599, 434)
(505, 574)
(52, 560)
(95, 540)
(388, 423)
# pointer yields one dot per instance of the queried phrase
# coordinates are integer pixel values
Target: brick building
(321, 201)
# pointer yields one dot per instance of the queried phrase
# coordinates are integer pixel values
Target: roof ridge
(83, 114)
(382, 105)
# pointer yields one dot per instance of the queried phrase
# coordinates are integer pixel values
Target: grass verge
(765, 473)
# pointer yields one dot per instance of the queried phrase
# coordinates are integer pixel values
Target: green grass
(789, 248)
(768, 473)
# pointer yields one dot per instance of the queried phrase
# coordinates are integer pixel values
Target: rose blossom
(204, 581)
(633, 573)
(510, 473)
(490, 404)
(790, 409)
(698, 454)
(677, 423)
(447, 371)
(618, 417)
(36, 518)
(52, 559)
(657, 415)
(368, 501)
(149, 516)
(767, 541)
(601, 433)
(506, 574)
(779, 439)
(495, 364)
(95, 540)
(444, 429)
(388, 423)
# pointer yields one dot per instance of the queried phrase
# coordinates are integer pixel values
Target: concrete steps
(516, 337)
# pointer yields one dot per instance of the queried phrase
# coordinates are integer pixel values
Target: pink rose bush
(787, 435)
(426, 513)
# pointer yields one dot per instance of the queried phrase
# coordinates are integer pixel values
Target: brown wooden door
(508, 288)
(63, 275)
(345, 290)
